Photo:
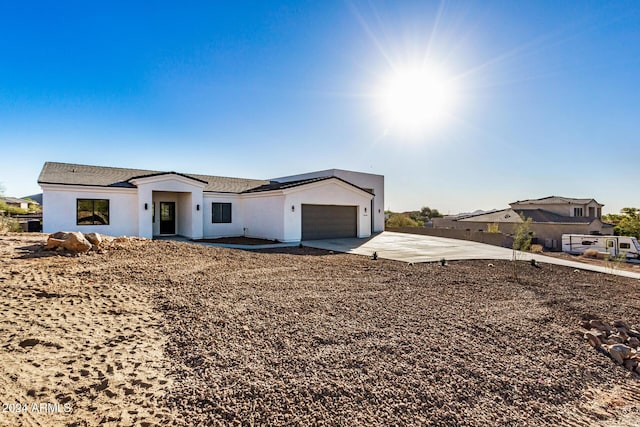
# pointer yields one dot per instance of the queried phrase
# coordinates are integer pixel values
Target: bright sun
(415, 100)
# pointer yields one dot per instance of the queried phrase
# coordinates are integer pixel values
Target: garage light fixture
(197, 207)
(146, 206)
(365, 210)
(293, 208)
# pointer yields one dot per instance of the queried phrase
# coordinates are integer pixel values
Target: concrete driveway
(417, 248)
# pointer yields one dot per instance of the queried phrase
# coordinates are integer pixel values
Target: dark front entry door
(167, 218)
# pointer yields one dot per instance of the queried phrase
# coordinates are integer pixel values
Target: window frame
(222, 219)
(579, 212)
(93, 211)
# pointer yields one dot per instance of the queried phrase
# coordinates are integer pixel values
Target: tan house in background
(551, 217)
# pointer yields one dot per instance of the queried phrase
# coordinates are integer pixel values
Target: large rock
(94, 238)
(634, 342)
(77, 242)
(593, 337)
(73, 241)
(619, 352)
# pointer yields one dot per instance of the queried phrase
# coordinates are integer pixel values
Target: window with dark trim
(221, 213)
(577, 211)
(92, 212)
(625, 245)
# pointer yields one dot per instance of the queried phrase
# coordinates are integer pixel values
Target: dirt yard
(174, 333)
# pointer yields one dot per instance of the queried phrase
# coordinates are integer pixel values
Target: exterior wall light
(197, 207)
(365, 210)
(146, 207)
(293, 208)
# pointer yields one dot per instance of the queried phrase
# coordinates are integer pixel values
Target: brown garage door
(329, 221)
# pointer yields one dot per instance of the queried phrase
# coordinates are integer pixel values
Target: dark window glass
(221, 212)
(587, 242)
(625, 245)
(92, 212)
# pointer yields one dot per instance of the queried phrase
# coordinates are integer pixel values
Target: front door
(611, 247)
(167, 218)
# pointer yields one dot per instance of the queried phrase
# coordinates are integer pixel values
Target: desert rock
(619, 352)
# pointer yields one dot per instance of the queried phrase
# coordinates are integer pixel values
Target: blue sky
(548, 94)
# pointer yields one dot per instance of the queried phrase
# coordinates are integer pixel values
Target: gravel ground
(313, 338)
(303, 337)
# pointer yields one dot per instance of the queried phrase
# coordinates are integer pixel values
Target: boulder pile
(77, 242)
(620, 341)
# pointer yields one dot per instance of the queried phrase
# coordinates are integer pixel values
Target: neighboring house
(551, 217)
(136, 202)
(16, 203)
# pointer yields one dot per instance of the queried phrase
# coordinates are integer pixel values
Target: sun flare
(416, 99)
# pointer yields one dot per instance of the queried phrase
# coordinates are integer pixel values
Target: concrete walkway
(418, 248)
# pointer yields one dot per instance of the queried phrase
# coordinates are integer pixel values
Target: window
(221, 212)
(587, 242)
(625, 245)
(577, 211)
(92, 212)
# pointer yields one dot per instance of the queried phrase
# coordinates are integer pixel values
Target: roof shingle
(103, 176)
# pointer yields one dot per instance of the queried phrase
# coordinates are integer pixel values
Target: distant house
(16, 203)
(135, 202)
(551, 217)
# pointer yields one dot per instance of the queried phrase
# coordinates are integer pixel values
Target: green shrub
(523, 236)
(8, 224)
(493, 228)
(401, 220)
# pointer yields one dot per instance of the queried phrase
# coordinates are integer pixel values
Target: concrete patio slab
(418, 248)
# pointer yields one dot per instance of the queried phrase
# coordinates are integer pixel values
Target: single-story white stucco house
(134, 202)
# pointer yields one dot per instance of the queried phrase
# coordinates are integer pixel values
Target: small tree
(627, 223)
(523, 236)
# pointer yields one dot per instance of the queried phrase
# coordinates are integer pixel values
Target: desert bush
(8, 224)
(493, 228)
(536, 249)
(401, 220)
(590, 253)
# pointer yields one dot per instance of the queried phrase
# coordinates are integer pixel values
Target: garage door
(329, 221)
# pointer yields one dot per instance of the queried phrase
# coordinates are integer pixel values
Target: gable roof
(554, 200)
(541, 215)
(536, 215)
(504, 215)
(103, 176)
(291, 184)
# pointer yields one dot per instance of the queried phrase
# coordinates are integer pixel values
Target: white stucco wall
(170, 188)
(235, 228)
(332, 192)
(60, 209)
(263, 215)
(360, 179)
